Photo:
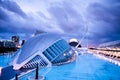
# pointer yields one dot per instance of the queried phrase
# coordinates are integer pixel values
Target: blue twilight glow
(69, 17)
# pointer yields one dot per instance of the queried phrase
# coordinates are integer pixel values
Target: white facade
(44, 49)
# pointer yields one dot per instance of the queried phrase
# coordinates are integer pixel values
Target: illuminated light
(18, 46)
(0, 70)
(119, 64)
(32, 35)
(64, 54)
(110, 60)
(70, 51)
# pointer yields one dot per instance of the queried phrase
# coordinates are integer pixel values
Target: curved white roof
(39, 42)
(73, 40)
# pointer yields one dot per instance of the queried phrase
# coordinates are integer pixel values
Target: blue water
(5, 59)
(86, 67)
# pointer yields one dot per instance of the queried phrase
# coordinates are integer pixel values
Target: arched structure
(45, 49)
(74, 43)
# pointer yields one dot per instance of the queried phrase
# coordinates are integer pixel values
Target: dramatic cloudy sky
(97, 20)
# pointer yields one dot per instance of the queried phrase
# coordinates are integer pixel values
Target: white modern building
(44, 49)
(74, 43)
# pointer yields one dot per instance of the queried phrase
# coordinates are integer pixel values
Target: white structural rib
(18, 66)
(45, 59)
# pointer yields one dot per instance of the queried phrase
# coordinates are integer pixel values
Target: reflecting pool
(86, 67)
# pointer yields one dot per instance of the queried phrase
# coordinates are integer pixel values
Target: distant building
(7, 46)
(16, 40)
(1, 44)
(74, 43)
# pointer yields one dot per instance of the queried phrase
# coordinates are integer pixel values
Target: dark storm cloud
(10, 19)
(105, 18)
(12, 6)
(3, 15)
(70, 18)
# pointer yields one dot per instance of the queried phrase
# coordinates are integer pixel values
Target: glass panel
(51, 52)
(59, 46)
(47, 55)
(55, 50)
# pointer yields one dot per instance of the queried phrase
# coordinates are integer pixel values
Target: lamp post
(16, 77)
(36, 77)
(37, 73)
